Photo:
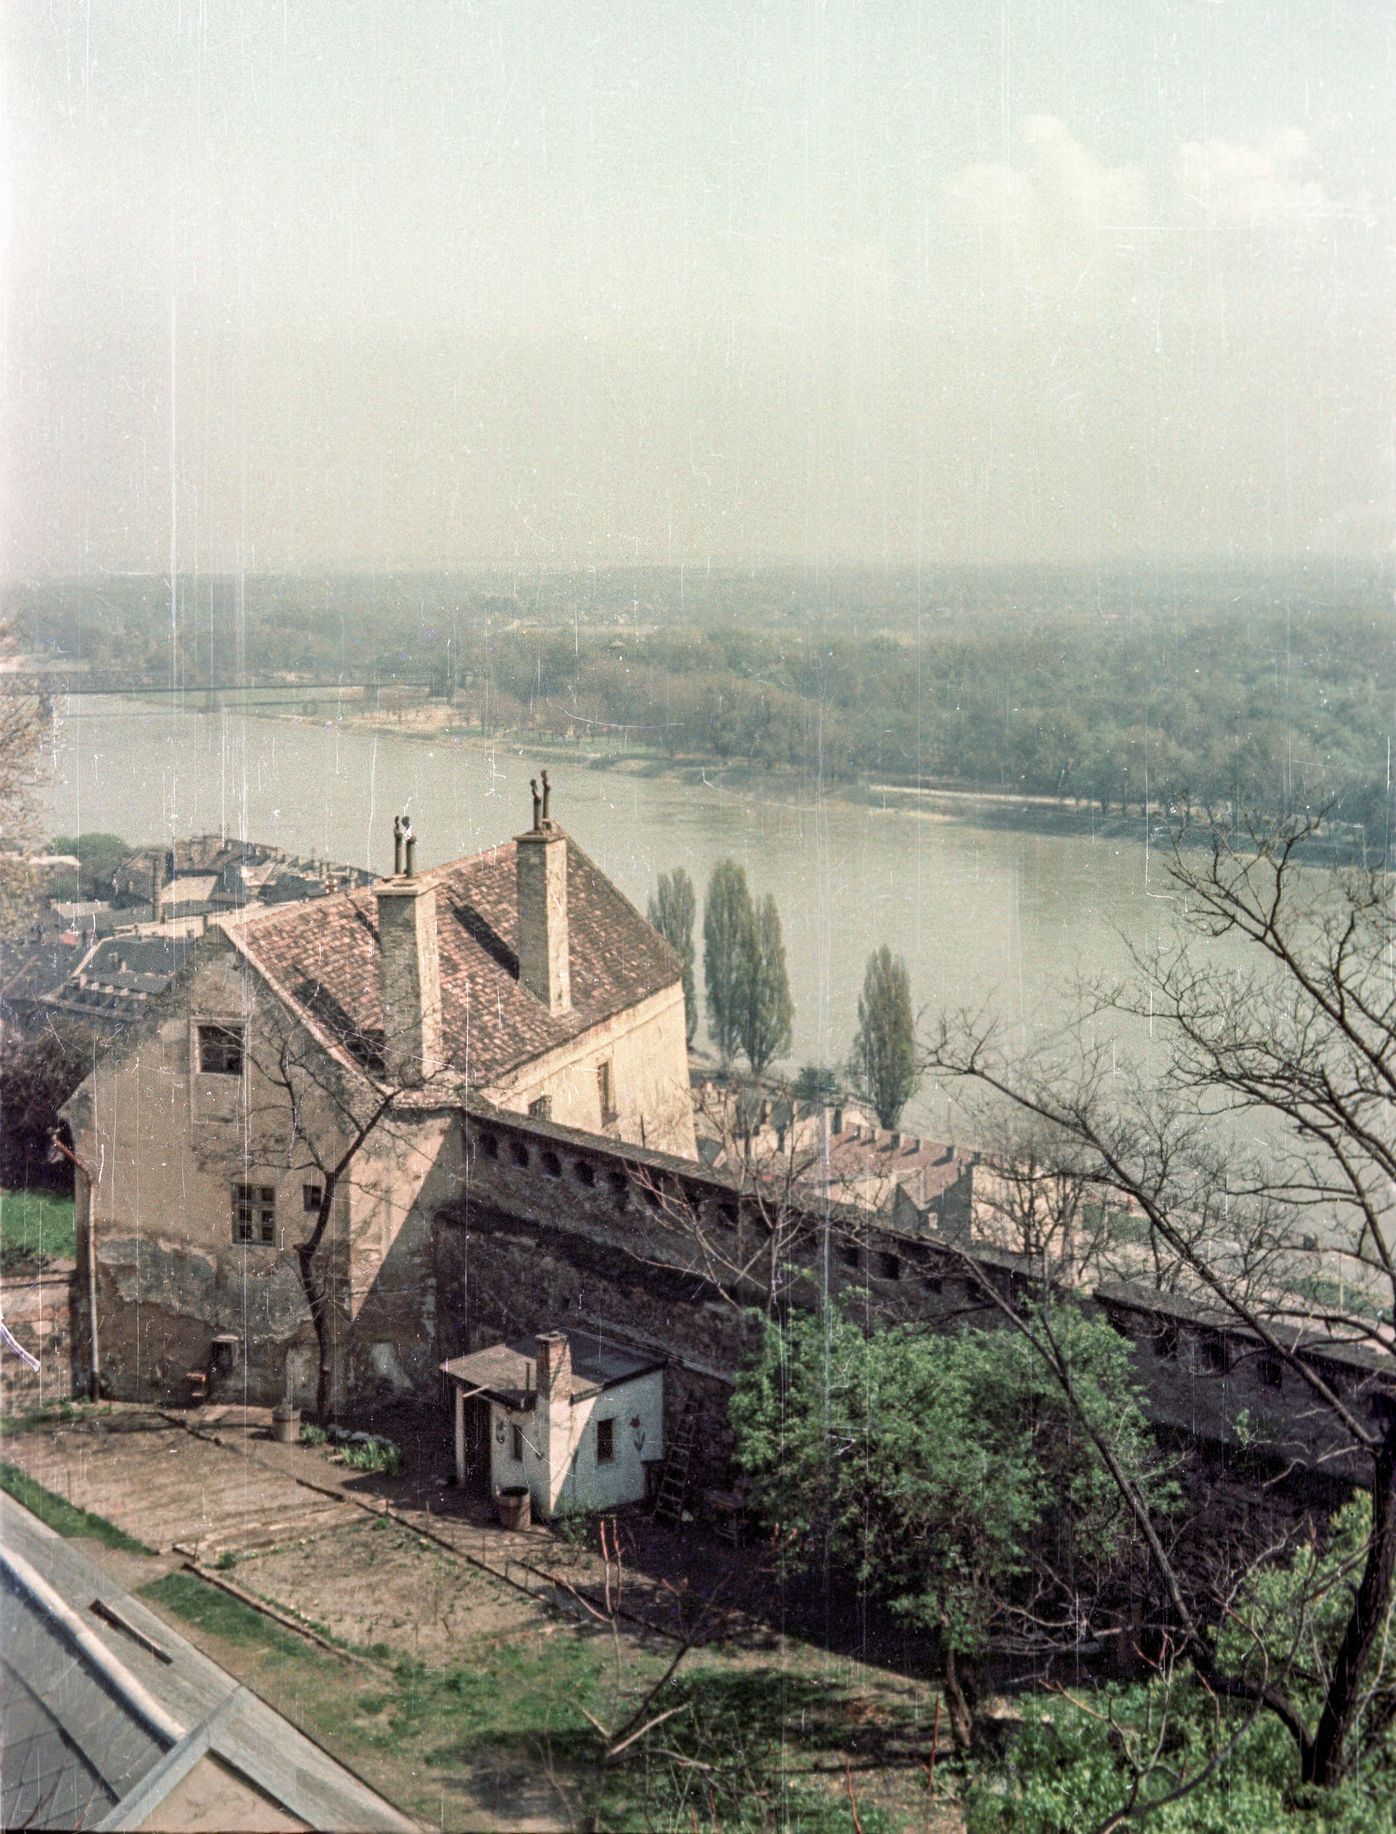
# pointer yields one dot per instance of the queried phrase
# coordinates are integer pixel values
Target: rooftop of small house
(326, 957)
(859, 1151)
(508, 1373)
(824, 1144)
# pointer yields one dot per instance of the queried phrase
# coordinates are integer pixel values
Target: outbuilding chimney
(554, 1365)
(540, 871)
(410, 966)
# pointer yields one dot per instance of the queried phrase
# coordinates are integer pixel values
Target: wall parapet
(1202, 1371)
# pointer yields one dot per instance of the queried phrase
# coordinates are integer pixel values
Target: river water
(984, 916)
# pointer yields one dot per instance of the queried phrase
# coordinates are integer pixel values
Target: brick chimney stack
(540, 875)
(554, 1365)
(410, 967)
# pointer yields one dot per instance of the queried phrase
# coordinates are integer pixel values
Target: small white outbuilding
(569, 1414)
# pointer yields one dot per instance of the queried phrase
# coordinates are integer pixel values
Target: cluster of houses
(100, 961)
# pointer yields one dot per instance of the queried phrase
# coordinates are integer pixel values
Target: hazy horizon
(472, 287)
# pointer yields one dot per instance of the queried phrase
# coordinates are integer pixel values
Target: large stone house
(305, 1076)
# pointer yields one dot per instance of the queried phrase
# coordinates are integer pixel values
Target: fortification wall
(555, 1228)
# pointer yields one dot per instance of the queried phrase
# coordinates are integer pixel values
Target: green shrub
(373, 1455)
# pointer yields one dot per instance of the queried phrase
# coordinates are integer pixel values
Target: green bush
(373, 1455)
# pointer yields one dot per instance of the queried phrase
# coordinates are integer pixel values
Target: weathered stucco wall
(40, 1310)
(166, 1144)
(559, 1462)
(647, 1049)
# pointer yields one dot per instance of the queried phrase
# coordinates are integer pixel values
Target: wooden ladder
(673, 1482)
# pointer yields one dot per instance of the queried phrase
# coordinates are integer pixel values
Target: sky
(307, 285)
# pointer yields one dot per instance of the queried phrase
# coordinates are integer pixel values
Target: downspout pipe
(94, 1381)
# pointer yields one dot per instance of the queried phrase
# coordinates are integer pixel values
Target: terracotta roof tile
(325, 954)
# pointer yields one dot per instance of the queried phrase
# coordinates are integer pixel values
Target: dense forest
(1243, 693)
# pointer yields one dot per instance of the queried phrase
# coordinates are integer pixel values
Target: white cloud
(1246, 183)
(1053, 193)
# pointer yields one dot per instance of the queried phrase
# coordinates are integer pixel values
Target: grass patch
(751, 1750)
(62, 1517)
(509, 1692)
(35, 1227)
(56, 1413)
(220, 1615)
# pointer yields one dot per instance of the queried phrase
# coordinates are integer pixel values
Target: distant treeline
(1236, 695)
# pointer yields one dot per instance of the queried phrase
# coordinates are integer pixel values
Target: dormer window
(222, 1050)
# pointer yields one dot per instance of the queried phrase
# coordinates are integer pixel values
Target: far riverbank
(1344, 844)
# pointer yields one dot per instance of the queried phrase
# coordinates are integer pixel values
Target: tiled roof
(325, 955)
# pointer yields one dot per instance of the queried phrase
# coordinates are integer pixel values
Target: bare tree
(1292, 1030)
(22, 720)
(315, 1106)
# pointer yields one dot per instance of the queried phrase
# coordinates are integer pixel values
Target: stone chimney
(410, 967)
(540, 873)
(554, 1365)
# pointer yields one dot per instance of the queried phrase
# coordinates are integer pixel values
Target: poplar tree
(884, 1049)
(671, 911)
(766, 1009)
(728, 922)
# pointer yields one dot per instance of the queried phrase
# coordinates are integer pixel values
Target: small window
(516, 1444)
(605, 1442)
(848, 1254)
(585, 1172)
(1166, 1341)
(552, 1165)
(1272, 1372)
(620, 1188)
(221, 1050)
(934, 1283)
(541, 1109)
(520, 1154)
(606, 1090)
(889, 1266)
(254, 1214)
(489, 1145)
(1216, 1353)
(312, 1196)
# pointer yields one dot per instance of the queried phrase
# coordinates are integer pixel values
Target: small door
(477, 1446)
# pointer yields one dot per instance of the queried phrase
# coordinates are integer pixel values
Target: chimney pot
(894, 1140)
(837, 1122)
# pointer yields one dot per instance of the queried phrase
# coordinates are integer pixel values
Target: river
(985, 916)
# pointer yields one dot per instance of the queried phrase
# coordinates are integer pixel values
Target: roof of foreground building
(111, 1719)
